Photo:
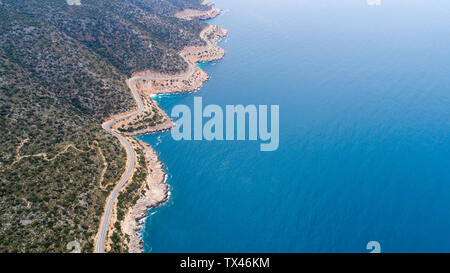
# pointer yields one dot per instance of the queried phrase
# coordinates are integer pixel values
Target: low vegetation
(62, 73)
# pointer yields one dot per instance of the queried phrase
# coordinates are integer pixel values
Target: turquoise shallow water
(364, 95)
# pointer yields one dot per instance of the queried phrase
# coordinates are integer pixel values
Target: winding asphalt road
(131, 158)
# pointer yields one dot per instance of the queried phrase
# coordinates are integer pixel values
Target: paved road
(131, 158)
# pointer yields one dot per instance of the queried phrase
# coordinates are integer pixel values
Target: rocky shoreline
(157, 191)
(156, 194)
(191, 14)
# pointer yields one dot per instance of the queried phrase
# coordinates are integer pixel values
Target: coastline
(155, 190)
(157, 193)
(191, 14)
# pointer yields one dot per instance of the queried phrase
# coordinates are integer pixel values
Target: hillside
(62, 73)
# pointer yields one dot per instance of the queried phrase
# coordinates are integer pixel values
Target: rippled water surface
(364, 95)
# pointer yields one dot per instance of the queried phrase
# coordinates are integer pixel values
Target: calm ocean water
(364, 95)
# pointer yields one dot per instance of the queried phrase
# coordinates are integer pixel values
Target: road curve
(131, 158)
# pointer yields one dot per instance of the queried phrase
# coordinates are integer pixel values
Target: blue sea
(364, 154)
